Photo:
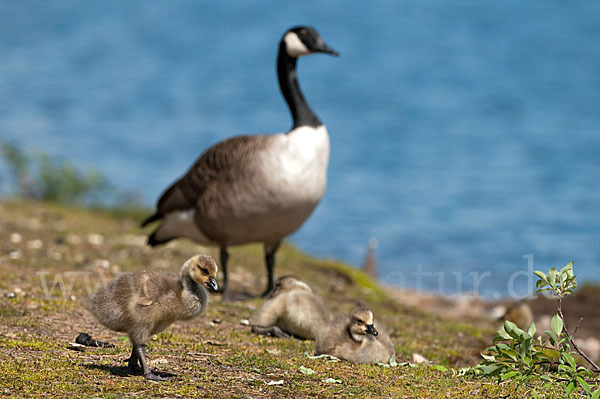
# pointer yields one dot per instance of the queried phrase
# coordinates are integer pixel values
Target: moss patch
(51, 257)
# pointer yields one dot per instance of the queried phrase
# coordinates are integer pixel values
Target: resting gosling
(145, 303)
(292, 309)
(356, 339)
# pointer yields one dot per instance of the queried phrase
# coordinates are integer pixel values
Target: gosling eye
(204, 271)
(359, 321)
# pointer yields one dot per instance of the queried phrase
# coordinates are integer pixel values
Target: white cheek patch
(294, 46)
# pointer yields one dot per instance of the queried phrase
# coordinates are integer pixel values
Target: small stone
(73, 239)
(14, 254)
(419, 359)
(101, 263)
(73, 298)
(157, 362)
(134, 240)
(217, 321)
(11, 295)
(16, 238)
(33, 224)
(95, 239)
(35, 244)
(245, 322)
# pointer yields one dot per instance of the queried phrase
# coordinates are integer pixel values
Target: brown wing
(220, 162)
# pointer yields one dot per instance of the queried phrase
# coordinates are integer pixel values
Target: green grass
(208, 359)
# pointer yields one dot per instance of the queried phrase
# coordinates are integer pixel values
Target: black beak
(212, 284)
(322, 47)
(371, 330)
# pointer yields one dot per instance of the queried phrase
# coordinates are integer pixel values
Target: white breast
(296, 165)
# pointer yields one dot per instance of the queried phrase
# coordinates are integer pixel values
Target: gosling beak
(212, 284)
(322, 47)
(371, 330)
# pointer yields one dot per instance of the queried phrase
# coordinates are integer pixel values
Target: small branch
(577, 327)
(590, 361)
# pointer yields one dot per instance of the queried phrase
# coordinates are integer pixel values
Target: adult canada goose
(145, 303)
(357, 339)
(258, 188)
(292, 309)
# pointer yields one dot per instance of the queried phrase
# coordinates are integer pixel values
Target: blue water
(464, 134)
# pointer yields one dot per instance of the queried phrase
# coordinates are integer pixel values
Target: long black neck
(288, 83)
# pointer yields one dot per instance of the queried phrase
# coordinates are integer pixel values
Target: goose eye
(360, 321)
(204, 271)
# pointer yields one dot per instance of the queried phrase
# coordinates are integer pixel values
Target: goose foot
(154, 377)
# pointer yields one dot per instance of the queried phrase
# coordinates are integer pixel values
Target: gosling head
(203, 270)
(361, 324)
(304, 40)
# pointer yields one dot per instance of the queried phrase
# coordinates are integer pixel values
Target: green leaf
(503, 334)
(563, 368)
(490, 369)
(524, 347)
(510, 353)
(567, 268)
(569, 358)
(439, 367)
(596, 394)
(570, 388)
(532, 330)
(488, 357)
(552, 277)
(541, 276)
(306, 370)
(513, 329)
(557, 324)
(552, 335)
(584, 384)
(507, 375)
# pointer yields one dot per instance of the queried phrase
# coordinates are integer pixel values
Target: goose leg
(132, 363)
(224, 258)
(270, 250)
(148, 374)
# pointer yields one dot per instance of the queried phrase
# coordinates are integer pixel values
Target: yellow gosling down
(356, 338)
(292, 309)
(142, 304)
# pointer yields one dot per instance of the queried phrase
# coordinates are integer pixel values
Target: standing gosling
(292, 309)
(145, 303)
(356, 339)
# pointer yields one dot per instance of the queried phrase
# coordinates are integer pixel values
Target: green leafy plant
(522, 356)
(40, 177)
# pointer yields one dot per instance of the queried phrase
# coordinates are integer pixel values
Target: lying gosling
(145, 303)
(356, 339)
(292, 309)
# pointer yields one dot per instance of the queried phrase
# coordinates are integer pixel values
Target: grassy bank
(214, 355)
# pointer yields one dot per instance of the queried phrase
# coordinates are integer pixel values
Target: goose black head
(304, 40)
